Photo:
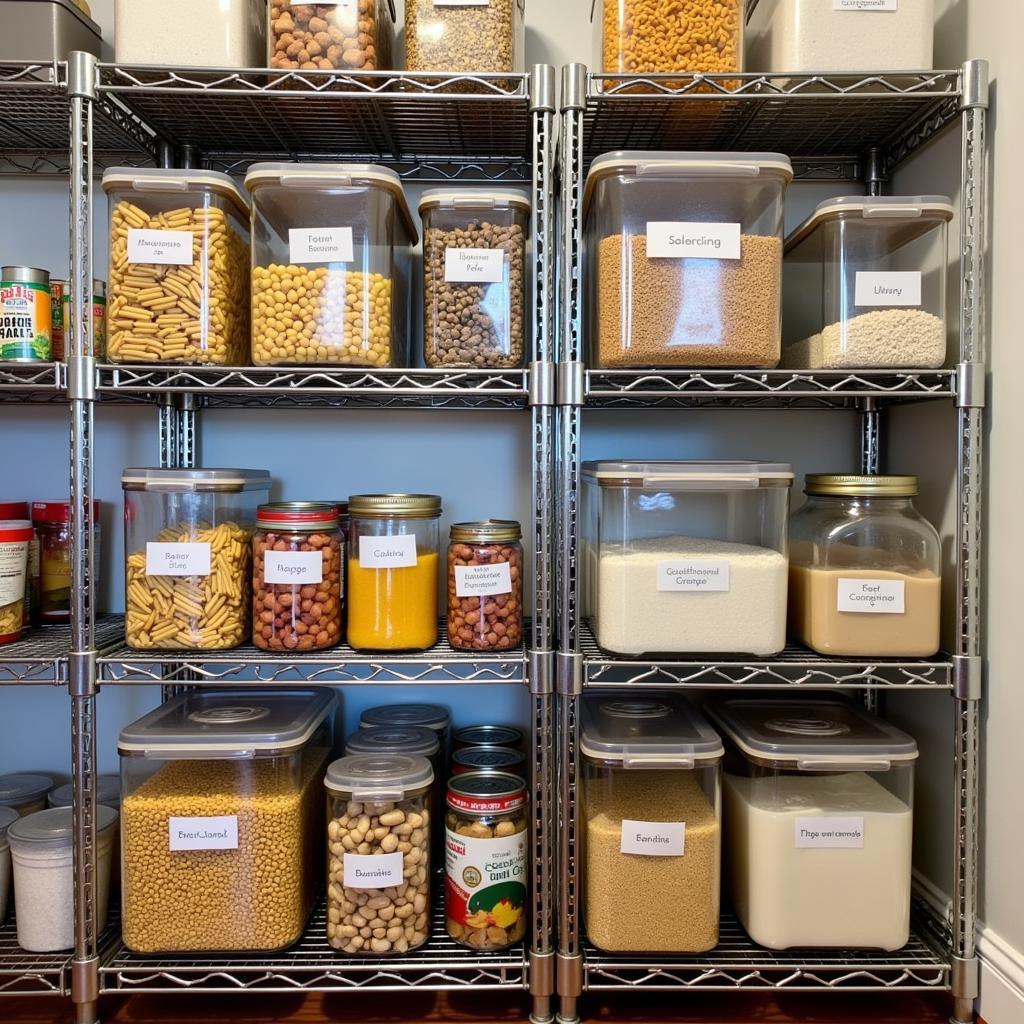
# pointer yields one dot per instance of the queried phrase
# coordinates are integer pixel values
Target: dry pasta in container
(465, 35)
(354, 35)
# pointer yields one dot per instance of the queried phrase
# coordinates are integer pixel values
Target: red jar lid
(297, 513)
(14, 510)
(13, 530)
(58, 511)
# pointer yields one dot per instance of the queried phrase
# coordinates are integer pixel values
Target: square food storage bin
(652, 825)
(222, 811)
(354, 35)
(46, 30)
(330, 264)
(684, 258)
(686, 557)
(188, 556)
(178, 287)
(864, 284)
(459, 36)
(818, 801)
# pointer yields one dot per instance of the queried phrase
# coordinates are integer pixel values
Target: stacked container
(354, 35)
(23, 792)
(8, 815)
(459, 36)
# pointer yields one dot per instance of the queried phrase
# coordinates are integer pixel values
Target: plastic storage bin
(474, 275)
(179, 252)
(7, 817)
(188, 565)
(47, 30)
(330, 256)
(865, 569)
(455, 36)
(684, 258)
(879, 266)
(16, 537)
(651, 807)
(818, 799)
(221, 802)
(686, 557)
(355, 35)
(23, 792)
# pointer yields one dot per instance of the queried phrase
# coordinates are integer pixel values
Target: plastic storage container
(474, 274)
(298, 568)
(179, 256)
(47, 30)
(23, 792)
(686, 557)
(52, 522)
(456, 35)
(188, 565)
(879, 266)
(108, 792)
(865, 569)
(7, 817)
(355, 35)
(378, 839)
(15, 541)
(221, 802)
(393, 571)
(684, 258)
(841, 35)
(651, 807)
(330, 255)
(818, 801)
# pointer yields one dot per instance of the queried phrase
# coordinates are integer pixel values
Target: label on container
(694, 575)
(320, 245)
(297, 567)
(373, 870)
(213, 833)
(484, 265)
(653, 838)
(864, 5)
(483, 580)
(388, 552)
(485, 879)
(177, 559)
(13, 563)
(170, 248)
(829, 833)
(695, 239)
(887, 288)
(25, 321)
(878, 597)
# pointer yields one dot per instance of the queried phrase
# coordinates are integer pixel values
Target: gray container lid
(430, 716)
(54, 828)
(394, 739)
(20, 788)
(8, 816)
(662, 731)
(179, 480)
(811, 735)
(697, 474)
(108, 791)
(378, 777)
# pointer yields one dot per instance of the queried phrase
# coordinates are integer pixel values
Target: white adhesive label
(214, 833)
(695, 239)
(483, 580)
(864, 5)
(694, 575)
(887, 288)
(13, 563)
(653, 838)
(298, 567)
(878, 597)
(320, 245)
(829, 833)
(484, 265)
(170, 248)
(387, 552)
(177, 559)
(373, 870)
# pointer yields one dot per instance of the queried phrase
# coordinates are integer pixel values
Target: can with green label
(99, 317)
(25, 318)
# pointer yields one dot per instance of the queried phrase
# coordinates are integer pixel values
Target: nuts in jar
(353, 34)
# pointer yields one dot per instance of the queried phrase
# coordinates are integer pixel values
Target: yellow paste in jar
(393, 609)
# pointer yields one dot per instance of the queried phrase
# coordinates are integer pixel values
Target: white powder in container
(746, 615)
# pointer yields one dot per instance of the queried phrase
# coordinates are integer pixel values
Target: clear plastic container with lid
(221, 801)
(393, 571)
(188, 565)
(686, 557)
(8, 815)
(652, 819)
(465, 35)
(865, 573)
(354, 35)
(24, 792)
(684, 256)
(818, 799)
(15, 540)
(178, 286)
(330, 264)
(378, 841)
(879, 267)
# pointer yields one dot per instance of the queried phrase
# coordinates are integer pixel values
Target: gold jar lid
(395, 506)
(852, 485)
(486, 531)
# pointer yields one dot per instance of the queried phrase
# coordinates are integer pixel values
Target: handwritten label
(320, 245)
(695, 239)
(653, 838)
(485, 265)
(214, 833)
(293, 567)
(828, 833)
(483, 580)
(887, 288)
(171, 248)
(878, 597)
(177, 559)
(864, 5)
(373, 870)
(387, 552)
(694, 575)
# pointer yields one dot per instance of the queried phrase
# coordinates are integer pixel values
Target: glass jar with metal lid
(393, 571)
(486, 863)
(485, 585)
(298, 555)
(865, 568)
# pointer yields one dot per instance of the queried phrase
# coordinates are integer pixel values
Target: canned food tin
(58, 322)
(488, 736)
(99, 320)
(25, 320)
(489, 759)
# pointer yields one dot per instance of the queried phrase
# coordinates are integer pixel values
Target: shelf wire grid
(42, 656)
(23, 973)
(32, 382)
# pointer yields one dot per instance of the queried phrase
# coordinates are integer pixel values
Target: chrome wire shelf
(41, 657)
(32, 382)
(25, 974)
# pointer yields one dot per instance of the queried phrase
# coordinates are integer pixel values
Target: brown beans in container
(354, 35)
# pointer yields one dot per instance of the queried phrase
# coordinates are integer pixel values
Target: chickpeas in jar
(298, 554)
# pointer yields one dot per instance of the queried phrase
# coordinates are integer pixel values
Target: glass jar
(393, 571)
(378, 839)
(15, 539)
(30, 609)
(488, 736)
(298, 558)
(489, 759)
(485, 36)
(486, 860)
(25, 793)
(485, 586)
(354, 35)
(52, 521)
(188, 556)
(865, 569)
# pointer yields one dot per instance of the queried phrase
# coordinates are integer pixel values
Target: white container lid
(685, 476)
(473, 199)
(379, 777)
(170, 180)
(108, 791)
(911, 216)
(174, 480)
(430, 716)
(54, 828)
(811, 735)
(21, 788)
(230, 724)
(640, 732)
(395, 739)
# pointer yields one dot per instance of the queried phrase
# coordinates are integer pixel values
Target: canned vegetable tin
(99, 320)
(58, 320)
(25, 315)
